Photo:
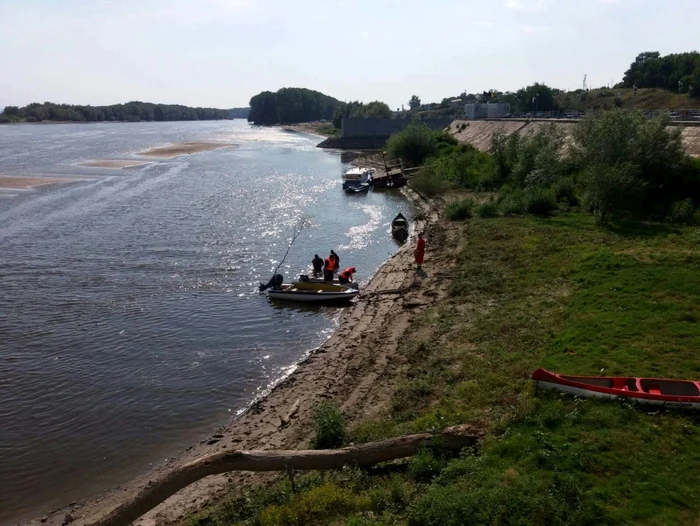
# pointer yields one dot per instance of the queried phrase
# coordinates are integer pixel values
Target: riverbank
(355, 367)
(320, 128)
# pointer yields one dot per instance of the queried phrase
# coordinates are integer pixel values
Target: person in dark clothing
(328, 269)
(317, 262)
(346, 275)
(274, 283)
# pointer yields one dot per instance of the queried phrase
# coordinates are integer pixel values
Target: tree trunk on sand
(362, 455)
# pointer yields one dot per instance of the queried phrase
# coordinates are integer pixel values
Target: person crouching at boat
(274, 283)
(328, 269)
(317, 263)
(346, 275)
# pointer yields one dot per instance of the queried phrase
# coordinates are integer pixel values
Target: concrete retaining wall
(383, 127)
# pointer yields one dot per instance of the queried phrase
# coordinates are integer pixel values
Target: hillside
(605, 99)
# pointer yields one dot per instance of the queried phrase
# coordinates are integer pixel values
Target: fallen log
(362, 455)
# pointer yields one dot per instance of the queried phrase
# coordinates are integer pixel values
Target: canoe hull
(646, 391)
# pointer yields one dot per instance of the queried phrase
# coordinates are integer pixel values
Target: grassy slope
(646, 99)
(530, 292)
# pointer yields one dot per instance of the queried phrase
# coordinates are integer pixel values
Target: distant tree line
(129, 112)
(360, 110)
(291, 105)
(677, 72)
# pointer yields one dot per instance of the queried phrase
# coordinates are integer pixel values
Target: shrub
(611, 189)
(425, 466)
(489, 209)
(463, 165)
(512, 202)
(540, 201)
(329, 425)
(682, 211)
(649, 149)
(429, 183)
(564, 191)
(460, 210)
(413, 144)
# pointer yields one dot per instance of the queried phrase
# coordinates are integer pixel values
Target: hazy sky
(221, 52)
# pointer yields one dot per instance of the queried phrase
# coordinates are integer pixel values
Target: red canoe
(655, 391)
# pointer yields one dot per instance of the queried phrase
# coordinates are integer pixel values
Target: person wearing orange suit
(345, 276)
(420, 251)
(328, 268)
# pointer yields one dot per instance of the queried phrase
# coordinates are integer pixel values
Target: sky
(219, 53)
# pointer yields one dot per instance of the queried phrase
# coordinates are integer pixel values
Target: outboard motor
(274, 283)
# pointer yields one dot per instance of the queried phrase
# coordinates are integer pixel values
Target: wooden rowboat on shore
(399, 227)
(664, 392)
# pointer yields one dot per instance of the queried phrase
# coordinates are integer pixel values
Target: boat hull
(309, 292)
(677, 394)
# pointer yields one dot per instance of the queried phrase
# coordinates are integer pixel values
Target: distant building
(455, 103)
(486, 110)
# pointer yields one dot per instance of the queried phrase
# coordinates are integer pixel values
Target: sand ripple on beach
(113, 163)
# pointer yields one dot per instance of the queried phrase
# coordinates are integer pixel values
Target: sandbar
(113, 163)
(12, 181)
(183, 148)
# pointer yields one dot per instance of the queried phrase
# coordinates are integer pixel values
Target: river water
(130, 323)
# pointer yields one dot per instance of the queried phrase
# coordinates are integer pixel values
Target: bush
(650, 150)
(512, 202)
(329, 425)
(540, 201)
(460, 210)
(425, 466)
(611, 189)
(413, 144)
(429, 183)
(564, 191)
(682, 211)
(489, 209)
(464, 165)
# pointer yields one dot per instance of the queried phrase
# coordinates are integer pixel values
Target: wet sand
(113, 163)
(185, 148)
(357, 367)
(20, 182)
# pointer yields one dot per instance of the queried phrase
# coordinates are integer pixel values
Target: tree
(11, 110)
(626, 148)
(541, 94)
(413, 144)
(289, 105)
(414, 103)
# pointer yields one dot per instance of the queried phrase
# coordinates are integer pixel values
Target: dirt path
(356, 367)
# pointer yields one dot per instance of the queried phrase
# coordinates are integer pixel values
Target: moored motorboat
(655, 391)
(313, 292)
(357, 178)
(356, 189)
(399, 227)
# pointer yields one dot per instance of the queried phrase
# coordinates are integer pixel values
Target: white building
(486, 110)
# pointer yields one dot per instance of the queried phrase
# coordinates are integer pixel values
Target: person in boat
(328, 267)
(274, 283)
(317, 263)
(346, 275)
(420, 251)
(337, 260)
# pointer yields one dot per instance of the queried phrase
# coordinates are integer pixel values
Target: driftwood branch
(223, 462)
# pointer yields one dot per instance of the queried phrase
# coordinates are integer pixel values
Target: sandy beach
(356, 367)
(185, 148)
(25, 183)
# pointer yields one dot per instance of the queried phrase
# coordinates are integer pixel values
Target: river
(130, 322)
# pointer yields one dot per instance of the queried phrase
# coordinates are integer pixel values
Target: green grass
(532, 292)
